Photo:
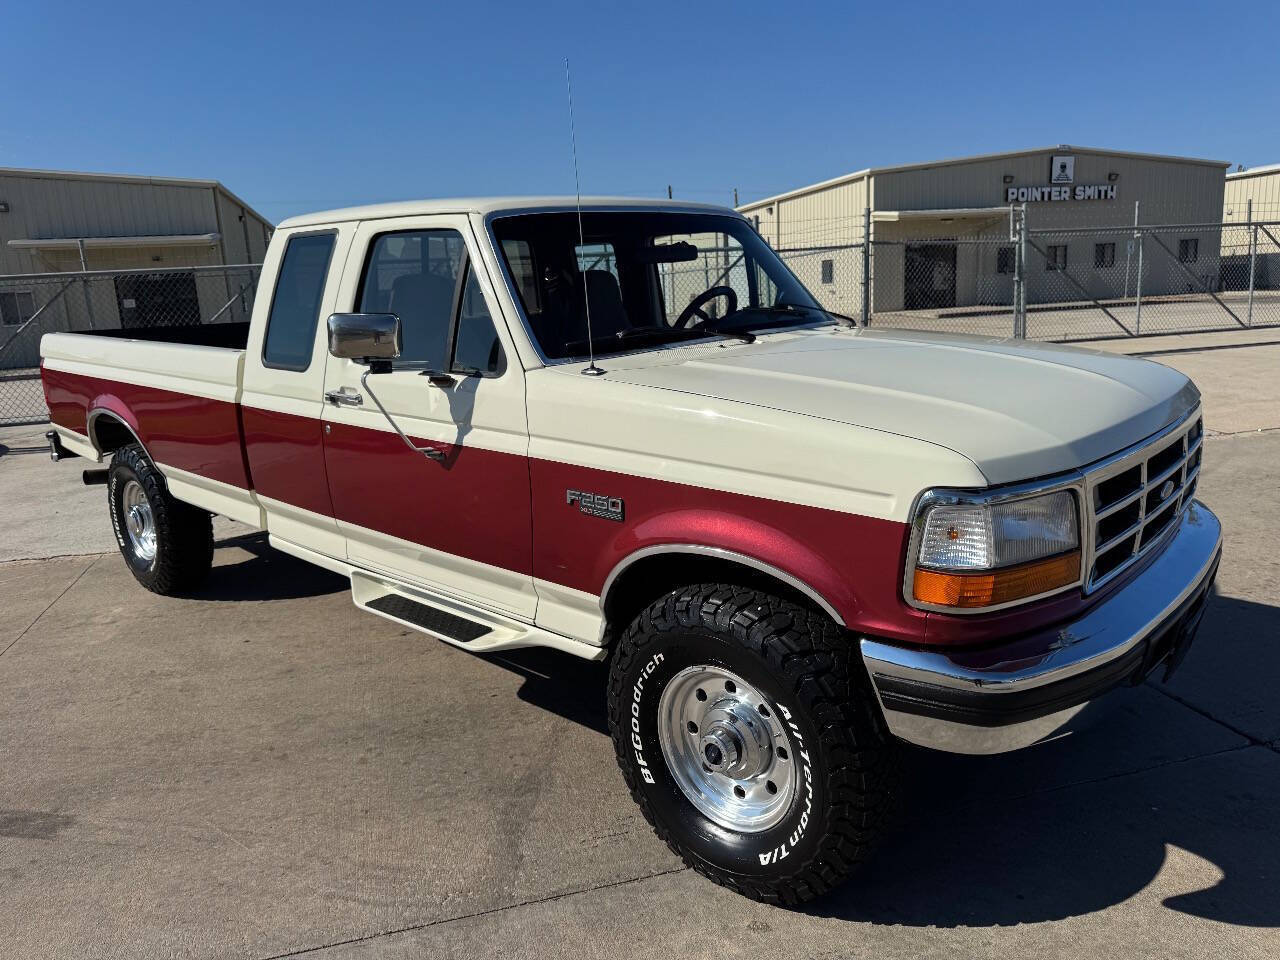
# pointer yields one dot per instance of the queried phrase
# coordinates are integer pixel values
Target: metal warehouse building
(143, 251)
(922, 220)
(1255, 191)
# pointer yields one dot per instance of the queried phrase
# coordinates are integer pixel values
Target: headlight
(973, 552)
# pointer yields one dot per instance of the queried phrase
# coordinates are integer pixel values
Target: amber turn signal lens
(971, 590)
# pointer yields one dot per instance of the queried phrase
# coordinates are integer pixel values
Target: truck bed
(232, 335)
(176, 389)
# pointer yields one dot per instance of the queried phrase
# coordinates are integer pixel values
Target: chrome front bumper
(1037, 686)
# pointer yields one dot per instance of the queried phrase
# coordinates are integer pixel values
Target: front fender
(734, 538)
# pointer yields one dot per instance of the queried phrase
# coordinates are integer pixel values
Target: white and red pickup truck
(631, 433)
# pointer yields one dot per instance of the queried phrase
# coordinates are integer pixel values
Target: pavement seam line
(1254, 741)
(53, 556)
(41, 614)
(471, 916)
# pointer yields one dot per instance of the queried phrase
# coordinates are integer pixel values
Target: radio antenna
(592, 370)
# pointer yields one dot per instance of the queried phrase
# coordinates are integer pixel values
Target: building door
(929, 276)
(157, 300)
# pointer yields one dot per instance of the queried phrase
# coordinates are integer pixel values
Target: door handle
(346, 397)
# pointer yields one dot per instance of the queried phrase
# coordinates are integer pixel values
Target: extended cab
(630, 432)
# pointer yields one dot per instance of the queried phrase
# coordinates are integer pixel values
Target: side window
(478, 347)
(295, 307)
(413, 274)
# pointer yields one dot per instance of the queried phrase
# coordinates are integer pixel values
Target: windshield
(647, 278)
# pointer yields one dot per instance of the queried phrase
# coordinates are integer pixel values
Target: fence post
(84, 284)
(1253, 257)
(88, 302)
(866, 266)
(1020, 273)
(1137, 321)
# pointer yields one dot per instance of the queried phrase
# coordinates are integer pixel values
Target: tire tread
(815, 658)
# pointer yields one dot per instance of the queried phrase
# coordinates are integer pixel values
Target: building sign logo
(1062, 186)
(1081, 191)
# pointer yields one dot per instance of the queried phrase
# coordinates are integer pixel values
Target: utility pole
(735, 198)
(668, 191)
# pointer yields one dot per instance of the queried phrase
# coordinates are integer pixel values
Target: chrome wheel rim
(139, 521)
(726, 749)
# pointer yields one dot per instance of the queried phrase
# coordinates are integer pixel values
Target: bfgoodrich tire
(745, 728)
(167, 544)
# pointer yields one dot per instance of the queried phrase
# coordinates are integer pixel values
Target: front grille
(1134, 498)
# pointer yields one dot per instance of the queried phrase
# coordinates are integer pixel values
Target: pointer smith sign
(1062, 186)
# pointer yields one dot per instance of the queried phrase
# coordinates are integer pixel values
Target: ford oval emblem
(1167, 490)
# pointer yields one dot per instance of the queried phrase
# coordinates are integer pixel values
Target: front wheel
(746, 730)
(167, 544)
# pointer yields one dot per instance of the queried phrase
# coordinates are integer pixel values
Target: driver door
(458, 524)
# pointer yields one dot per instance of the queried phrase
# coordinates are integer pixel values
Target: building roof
(488, 205)
(1270, 168)
(977, 158)
(129, 178)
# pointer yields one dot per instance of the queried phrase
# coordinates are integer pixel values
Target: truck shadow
(1080, 824)
(266, 574)
(1069, 827)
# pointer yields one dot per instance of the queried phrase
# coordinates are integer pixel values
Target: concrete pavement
(263, 771)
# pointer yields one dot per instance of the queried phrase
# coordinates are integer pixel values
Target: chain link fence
(35, 304)
(1061, 284)
(1006, 279)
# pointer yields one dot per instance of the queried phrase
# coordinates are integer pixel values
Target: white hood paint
(1017, 409)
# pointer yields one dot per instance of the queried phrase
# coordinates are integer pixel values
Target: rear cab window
(295, 306)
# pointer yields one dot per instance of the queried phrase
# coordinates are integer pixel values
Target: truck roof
(487, 205)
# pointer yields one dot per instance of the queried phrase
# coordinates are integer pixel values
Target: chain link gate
(1054, 284)
(32, 305)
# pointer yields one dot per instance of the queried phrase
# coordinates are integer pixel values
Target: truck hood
(1017, 409)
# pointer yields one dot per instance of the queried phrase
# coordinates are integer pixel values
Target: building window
(828, 271)
(16, 307)
(1055, 257)
(1104, 255)
(1189, 250)
(1004, 260)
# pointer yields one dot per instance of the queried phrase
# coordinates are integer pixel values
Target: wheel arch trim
(719, 553)
(100, 409)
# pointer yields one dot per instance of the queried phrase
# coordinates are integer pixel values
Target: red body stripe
(286, 458)
(191, 433)
(511, 512)
(474, 504)
(852, 561)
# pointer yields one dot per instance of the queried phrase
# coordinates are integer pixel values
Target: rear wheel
(167, 544)
(747, 731)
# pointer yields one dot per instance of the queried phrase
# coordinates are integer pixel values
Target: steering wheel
(695, 306)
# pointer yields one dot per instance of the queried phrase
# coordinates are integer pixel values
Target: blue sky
(303, 106)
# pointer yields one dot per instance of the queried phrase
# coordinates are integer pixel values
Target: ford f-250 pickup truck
(630, 432)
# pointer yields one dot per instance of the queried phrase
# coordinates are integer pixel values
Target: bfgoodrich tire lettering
(177, 550)
(807, 676)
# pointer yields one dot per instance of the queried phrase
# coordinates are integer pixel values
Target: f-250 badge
(595, 504)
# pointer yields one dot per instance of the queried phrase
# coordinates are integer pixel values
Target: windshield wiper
(658, 335)
(800, 309)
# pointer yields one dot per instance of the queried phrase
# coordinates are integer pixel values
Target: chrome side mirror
(365, 337)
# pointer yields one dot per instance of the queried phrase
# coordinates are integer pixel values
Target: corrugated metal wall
(1262, 188)
(44, 206)
(1170, 191)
